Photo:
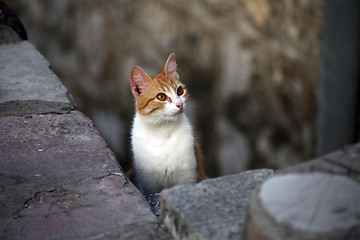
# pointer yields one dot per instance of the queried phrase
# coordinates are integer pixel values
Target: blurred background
(272, 83)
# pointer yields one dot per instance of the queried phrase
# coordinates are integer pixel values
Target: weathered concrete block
(25, 76)
(59, 180)
(345, 161)
(347, 158)
(212, 209)
(53, 144)
(305, 206)
(77, 207)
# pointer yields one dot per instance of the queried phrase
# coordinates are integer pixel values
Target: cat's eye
(161, 97)
(180, 91)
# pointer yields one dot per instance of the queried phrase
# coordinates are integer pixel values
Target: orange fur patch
(200, 170)
(146, 103)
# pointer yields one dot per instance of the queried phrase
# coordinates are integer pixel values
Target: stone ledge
(345, 161)
(212, 209)
(58, 178)
(24, 108)
(57, 173)
(218, 208)
(27, 85)
(79, 207)
(38, 145)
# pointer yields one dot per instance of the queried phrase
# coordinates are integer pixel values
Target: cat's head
(159, 98)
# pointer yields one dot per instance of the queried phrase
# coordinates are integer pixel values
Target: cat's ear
(138, 81)
(170, 67)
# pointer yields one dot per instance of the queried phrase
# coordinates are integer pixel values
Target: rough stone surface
(80, 208)
(53, 144)
(212, 209)
(25, 76)
(345, 161)
(23, 108)
(58, 177)
(59, 180)
(142, 231)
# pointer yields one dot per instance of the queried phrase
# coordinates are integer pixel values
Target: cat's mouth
(178, 112)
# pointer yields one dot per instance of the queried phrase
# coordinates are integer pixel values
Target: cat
(164, 148)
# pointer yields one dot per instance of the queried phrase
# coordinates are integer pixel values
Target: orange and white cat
(164, 148)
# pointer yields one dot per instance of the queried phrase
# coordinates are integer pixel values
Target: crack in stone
(318, 202)
(28, 204)
(57, 196)
(96, 177)
(61, 197)
(126, 183)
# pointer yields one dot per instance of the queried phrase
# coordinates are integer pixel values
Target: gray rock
(305, 206)
(345, 161)
(7, 35)
(53, 144)
(212, 209)
(347, 158)
(25, 76)
(59, 180)
(142, 231)
(81, 206)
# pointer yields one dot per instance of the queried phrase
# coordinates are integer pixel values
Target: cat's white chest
(164, 156)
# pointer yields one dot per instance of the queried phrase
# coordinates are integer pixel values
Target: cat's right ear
(138, 81)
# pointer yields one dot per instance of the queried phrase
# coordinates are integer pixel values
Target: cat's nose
(179, 105)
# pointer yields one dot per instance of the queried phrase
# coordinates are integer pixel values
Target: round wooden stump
(305, 206)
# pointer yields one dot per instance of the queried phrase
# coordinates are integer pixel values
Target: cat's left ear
(170, 67)
(138, 81)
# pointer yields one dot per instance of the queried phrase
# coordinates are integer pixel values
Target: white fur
(163, 153)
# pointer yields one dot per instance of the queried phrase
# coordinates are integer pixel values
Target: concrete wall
(251, 67)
